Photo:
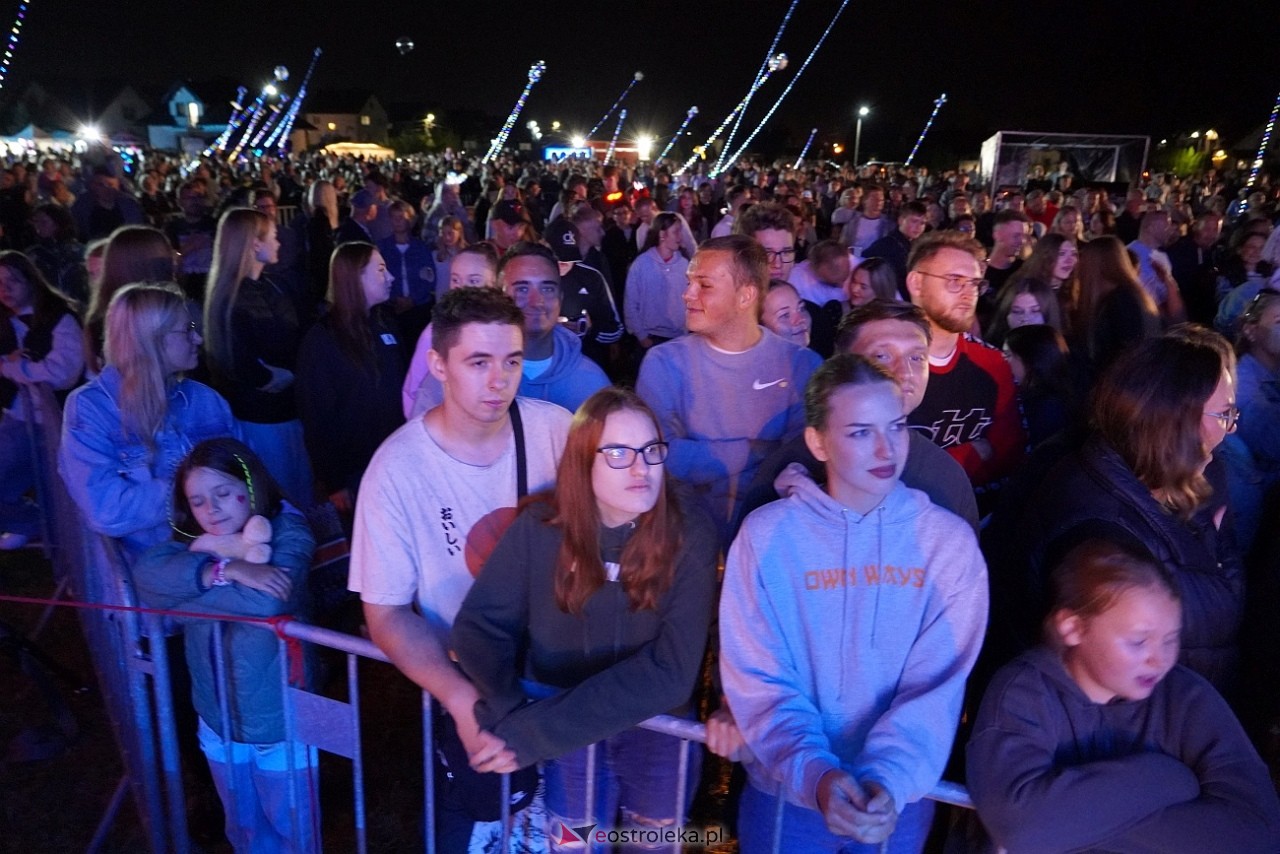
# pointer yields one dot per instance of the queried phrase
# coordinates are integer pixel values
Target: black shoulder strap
(522, 472)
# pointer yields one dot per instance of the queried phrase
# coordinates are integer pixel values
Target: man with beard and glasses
(970, 408)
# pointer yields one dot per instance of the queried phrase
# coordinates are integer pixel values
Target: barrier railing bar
(357, 753)
(590, 788)
(505, 813)
(170, 761)
(681, 786)
(289, 735)
(945, 792)
(224, 706)
(108, 816)
(428, 772)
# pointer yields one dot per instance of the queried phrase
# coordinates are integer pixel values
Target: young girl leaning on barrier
(1099, 740)
(239, 550)
(604, 589)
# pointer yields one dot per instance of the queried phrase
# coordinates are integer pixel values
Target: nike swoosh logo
(757, 385)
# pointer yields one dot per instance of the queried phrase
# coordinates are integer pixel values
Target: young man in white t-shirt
(440, 491)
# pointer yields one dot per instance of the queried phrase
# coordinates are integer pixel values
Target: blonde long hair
(137, 320)
(233, 260)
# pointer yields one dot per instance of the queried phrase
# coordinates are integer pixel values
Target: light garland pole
(635, 78)
(613, 143)
(1262, 147)
(937, 105)
(535, 74)
(791, 83)
(777, 37)
(693, 111)
(15, 32)
(777, 63)
(805, 150)
(280, 136)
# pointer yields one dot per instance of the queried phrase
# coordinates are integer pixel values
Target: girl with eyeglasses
(604, 589)
(125, 432)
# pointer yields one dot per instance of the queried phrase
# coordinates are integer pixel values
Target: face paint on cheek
(240, 498)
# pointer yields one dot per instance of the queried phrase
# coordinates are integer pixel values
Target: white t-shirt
(425, 522)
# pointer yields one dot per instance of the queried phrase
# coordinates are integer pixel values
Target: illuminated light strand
(252, 113)
(283, 130)
(636, 78)
(237, 116)
(1262, 147)
(15, 33)
(259, 110)
(805, 150)
(535, 74)
(693, 111)
(790, 84)
(937, 105)
(777, 37)
(278, 112)
(613, 143)
(778, 63)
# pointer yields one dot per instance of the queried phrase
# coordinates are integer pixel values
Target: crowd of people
(900, 450)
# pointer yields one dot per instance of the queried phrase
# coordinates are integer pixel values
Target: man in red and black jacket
(971, 406)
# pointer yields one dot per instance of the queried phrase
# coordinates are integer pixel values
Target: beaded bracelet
(219, 578)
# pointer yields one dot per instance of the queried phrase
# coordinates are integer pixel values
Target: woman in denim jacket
(124, 433)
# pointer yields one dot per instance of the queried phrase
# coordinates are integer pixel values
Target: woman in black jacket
(251, 338)
(1146, 478)
(350, 370)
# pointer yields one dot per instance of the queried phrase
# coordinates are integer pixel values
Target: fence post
(167, 733)
(429, 772)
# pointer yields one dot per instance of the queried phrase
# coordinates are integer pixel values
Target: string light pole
(14, 33)
(937, 105)
(777, 37)
(635, 78)
(805, 150)
(778, 63)
(857, 134)
(280, 136)
(1262, 146)
(693, 111)
(535, 74)
(787, 90)
(613, 143)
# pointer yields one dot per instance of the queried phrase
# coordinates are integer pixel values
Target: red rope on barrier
(293, 646)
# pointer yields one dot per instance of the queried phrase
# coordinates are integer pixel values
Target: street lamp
(857, 135)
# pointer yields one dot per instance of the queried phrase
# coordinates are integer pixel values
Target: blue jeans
(253, 783)
(18, 515)
(805, 830)
(636, 778)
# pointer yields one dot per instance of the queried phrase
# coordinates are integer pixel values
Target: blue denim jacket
(122, 486)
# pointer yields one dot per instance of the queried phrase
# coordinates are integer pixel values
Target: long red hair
(649, 558)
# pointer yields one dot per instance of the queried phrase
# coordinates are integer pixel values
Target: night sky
(1124, 66)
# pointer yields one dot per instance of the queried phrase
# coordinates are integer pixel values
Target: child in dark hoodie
(1099, 740)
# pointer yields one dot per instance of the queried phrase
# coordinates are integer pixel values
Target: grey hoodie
(846, 640)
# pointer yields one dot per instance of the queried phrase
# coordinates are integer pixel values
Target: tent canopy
(1008, 156)
(368, 150)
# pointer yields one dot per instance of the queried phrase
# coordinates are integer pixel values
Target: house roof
(336, 101)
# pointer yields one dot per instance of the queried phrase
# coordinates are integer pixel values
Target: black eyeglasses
(956, 284)
(781, 255)
(623, 457)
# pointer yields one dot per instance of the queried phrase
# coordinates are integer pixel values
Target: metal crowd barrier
(127, 644)
(135, 677)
